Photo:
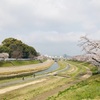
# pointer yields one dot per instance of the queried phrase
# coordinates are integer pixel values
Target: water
(27, 79)
(50, 69)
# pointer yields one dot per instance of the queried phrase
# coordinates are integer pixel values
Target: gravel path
(19, 86)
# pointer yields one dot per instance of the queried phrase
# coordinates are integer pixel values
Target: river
(50, 69)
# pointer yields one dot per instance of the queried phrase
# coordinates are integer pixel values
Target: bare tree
(91, 47)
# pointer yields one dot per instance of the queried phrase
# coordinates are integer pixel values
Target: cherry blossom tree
(4, 56)
(91, 47)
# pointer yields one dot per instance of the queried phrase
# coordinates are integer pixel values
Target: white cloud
(51, 37)
(64, 37)
(95, 4)
(40, 12)
(55, 21)
(95, 35)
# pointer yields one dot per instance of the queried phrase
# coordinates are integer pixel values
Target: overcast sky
(52, 27)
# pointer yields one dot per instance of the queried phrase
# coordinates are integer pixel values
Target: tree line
(17, 49)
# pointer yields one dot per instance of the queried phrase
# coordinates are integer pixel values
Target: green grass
(62, 64)
(34, 90)
(88, 89)
(4, 64)
(93, 68)
(81, 68)
(85, 90)
(17, 63)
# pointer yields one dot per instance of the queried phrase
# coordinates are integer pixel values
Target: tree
(9, 41)
(17, 49)
(32, 52)
(25, 51)
(4, 55)
(91, 47)
(4, 49)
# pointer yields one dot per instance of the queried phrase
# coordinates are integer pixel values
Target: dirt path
(2, 91)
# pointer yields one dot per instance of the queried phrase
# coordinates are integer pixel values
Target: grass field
(67, 85)
(85, 90)
(17, 63)
(93, 68)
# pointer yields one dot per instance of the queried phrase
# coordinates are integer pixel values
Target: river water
(50, 69)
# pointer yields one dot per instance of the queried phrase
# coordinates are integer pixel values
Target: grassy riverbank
(93, 68)
(11, 72)
(18, 63)
(69, 82)
(85, 90)
(52, 85)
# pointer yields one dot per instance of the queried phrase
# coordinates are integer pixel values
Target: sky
(52, 27)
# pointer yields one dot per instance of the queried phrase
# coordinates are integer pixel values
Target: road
(2, 91)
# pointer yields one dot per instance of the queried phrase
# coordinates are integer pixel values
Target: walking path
(19, 86)
(31, 78)
(6, 88)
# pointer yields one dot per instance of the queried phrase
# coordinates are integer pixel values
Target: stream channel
(40, 74)
(50, 69)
